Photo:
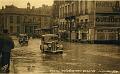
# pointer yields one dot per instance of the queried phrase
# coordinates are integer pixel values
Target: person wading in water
(7, 45)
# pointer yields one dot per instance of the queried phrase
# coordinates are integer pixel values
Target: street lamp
(70, 18)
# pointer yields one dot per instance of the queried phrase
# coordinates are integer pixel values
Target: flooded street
(77, 58)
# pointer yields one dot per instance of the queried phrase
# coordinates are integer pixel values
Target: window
(86, 20)
(68, 10)
(26, 29)
(35, 27)
(18, 29)
(25, 18)
(81, 20)
(73, 8)
(86, 9)
(34, 19)
(18, 19)
(81, 4)
(2, 20)
(11, 29)
(11, 19)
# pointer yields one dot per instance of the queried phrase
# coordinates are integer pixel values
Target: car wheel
(27, 43)
(41, 48)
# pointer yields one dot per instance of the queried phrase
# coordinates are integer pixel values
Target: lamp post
(70, 18)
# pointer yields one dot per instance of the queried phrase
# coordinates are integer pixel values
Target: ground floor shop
(97, 35)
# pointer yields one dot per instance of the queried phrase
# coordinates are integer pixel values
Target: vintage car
(51, 43)
(23, 39)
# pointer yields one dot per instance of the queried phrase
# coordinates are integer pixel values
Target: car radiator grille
(53, 46)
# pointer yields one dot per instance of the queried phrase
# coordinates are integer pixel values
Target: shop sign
(108, 19)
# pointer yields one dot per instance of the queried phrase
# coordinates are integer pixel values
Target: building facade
(24, 20)
(73, 18)
(55, 15)
(106, 23)
(90, 20)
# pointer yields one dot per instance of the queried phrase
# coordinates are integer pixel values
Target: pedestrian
(0, 51)
(8, 44)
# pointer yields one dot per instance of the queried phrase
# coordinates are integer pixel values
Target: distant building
(90, 20)
(24, 20)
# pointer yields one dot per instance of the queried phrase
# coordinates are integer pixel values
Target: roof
(11, 9)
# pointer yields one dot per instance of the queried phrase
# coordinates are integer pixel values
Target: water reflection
(52, 57)
(30, 68)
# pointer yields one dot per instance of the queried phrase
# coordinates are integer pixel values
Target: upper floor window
(34, 19)
(11, 29)
(2, 20)
(18, 19)
(11, 19)
(86, 20)
(86, 9)
(73, 8)
(25, 19)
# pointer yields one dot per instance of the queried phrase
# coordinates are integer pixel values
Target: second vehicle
(23, 39)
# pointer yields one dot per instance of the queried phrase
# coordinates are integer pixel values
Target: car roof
(52, 35)
(23, 34)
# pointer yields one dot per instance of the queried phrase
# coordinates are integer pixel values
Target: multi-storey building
(73, 14)
(90, 20)
(55, 15)
(107, 21)
(24, 20)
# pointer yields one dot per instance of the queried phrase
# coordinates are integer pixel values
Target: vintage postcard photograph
(60, 36)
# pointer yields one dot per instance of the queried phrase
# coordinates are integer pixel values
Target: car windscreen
(49, 39)
(25, 37)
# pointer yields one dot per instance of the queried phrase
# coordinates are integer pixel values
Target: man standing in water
(7, 45)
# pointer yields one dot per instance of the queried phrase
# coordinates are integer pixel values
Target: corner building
(95, 21)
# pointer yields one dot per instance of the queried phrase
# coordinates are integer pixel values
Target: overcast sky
(22, 3)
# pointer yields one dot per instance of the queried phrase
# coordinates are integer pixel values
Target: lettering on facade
(107, 19)
(105, 4)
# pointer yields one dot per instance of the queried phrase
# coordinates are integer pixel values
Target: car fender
(60, 46)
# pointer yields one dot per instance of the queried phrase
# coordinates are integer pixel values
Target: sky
(23, 3)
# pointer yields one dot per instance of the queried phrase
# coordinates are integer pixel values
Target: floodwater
(77, 58)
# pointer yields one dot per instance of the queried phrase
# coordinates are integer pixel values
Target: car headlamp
(58, 45)
(49, 45)
(61, 46)
(45, 47)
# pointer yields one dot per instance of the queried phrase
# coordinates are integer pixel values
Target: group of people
(6, 44)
